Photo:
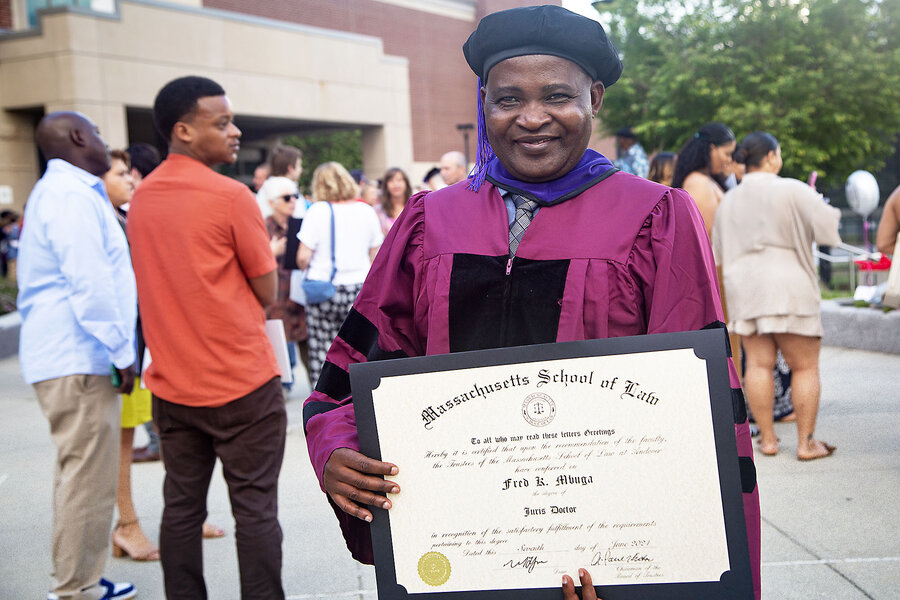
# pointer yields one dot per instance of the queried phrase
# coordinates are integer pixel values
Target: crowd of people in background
(9, 244)
(704, 167)
(762, 229)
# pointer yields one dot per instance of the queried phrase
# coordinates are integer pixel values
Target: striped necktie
(524, 214)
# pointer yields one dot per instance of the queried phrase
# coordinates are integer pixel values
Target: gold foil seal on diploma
(434, 568)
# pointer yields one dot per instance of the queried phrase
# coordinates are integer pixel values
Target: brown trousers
(248, 436)
(83, 411)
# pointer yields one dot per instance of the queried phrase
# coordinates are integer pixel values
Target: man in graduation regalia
(545, 242)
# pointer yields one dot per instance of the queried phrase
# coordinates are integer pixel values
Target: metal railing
(845, 254)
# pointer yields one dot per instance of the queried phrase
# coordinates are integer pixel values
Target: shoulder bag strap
(333, 263)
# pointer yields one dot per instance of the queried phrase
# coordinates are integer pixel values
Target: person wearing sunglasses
(283, 198)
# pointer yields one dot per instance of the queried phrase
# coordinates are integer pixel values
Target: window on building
(32, 6)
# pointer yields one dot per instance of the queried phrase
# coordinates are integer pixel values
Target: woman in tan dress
(763, 235)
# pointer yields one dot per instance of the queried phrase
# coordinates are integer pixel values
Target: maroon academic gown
(625, 257)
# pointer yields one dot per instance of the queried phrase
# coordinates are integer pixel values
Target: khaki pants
(83, 411)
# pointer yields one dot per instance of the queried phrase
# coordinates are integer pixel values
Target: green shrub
(8, 293)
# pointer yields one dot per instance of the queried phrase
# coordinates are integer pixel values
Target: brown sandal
(142, 550)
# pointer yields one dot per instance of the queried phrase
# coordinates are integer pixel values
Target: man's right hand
(127, 377)
(350, 480)
(587, 587)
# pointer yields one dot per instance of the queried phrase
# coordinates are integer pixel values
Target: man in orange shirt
(205, 271)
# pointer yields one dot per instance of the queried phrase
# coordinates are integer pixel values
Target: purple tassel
(483, 151)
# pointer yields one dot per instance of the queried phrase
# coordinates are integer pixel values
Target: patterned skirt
(323, 321)
(782, 374)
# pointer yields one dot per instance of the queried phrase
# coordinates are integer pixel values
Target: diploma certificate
(522, 464)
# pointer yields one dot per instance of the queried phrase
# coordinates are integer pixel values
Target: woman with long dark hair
(395, 193)
(762, 239)
(701, 160)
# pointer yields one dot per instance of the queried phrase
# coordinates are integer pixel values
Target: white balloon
(862, 192)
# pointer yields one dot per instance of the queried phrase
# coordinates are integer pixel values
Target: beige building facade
(281, 78)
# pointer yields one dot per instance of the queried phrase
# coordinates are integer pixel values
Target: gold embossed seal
(434, 568)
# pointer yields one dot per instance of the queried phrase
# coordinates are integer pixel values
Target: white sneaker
(114, 591)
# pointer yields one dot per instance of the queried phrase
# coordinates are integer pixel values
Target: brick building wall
(442, 87)
(486, 7)
(5, 14)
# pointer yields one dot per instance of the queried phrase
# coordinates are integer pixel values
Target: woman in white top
(762, 238)
(357, 237)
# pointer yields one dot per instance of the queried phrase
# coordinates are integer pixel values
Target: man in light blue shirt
(632, 158)
(78, 302)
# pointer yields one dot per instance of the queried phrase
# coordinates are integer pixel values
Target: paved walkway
(829, 527)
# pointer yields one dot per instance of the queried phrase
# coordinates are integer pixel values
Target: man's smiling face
(538, 111)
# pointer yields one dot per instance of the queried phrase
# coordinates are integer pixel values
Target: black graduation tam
(543, 30)
(625, 132)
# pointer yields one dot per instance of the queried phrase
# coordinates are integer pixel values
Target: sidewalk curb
(860, 328)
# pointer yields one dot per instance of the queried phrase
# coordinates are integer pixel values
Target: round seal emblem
(434, 568)
(539, 409)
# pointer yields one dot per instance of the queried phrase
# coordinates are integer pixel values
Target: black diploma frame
(709, 345)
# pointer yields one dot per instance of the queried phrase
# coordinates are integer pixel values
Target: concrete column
(385, 146)
(374, 152)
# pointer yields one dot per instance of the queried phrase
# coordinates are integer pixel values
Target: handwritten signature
(605, 558)
(528, 563)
